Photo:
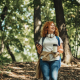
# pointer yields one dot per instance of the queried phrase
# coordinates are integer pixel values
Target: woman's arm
(60, 48)
(39, 48)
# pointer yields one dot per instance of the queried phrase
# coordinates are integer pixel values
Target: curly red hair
(44, 29)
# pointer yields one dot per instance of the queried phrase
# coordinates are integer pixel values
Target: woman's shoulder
(42, 38)
(59, 37)
(40, 41)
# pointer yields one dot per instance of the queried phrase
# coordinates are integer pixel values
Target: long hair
(44, 29)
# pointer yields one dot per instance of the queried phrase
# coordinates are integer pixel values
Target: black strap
(42, 42)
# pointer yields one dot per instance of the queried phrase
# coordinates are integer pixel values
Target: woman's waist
(51, 58)
(49, 55)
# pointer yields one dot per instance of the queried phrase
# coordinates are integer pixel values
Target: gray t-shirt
(48, 46)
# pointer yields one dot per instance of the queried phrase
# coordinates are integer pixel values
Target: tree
(37, 20)
(4, 13)
(11, 25)
(60, 20)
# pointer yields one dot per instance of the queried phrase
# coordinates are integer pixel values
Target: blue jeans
(50, 69)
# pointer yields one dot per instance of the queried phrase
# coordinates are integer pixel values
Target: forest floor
(26, 71)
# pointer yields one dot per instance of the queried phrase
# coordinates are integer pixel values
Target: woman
(50, 68)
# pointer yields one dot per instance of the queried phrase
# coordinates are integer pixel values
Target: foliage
(17, 28)
(72, 14)
(47, 11)
(4, 59)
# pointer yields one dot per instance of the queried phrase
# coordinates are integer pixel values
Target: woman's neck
(50, 33)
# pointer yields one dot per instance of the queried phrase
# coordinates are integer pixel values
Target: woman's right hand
(39, 48)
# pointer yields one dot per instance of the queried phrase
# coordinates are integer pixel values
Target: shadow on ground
(26, 71)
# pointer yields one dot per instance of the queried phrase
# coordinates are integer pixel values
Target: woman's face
(51, 28)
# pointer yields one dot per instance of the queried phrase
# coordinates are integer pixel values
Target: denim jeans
(50, 69)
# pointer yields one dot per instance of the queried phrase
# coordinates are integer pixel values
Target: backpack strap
(58, 40)
(42, 42)
(58, 44)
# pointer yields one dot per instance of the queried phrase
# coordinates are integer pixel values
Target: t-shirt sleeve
(40, 41)
(61, 41)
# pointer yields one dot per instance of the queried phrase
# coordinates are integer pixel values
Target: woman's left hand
(60, 48)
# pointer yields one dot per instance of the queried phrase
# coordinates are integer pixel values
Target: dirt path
(26, 71)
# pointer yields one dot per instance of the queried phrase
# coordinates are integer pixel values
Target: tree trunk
(67, 55)
(11, 54)
(37, 20)
(4, 13)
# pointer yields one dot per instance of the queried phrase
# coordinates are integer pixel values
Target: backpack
(58, 44)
